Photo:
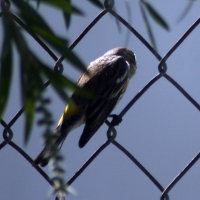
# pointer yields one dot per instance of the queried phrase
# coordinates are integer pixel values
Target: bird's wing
(108, 86)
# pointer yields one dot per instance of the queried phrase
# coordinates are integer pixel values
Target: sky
(161, 130)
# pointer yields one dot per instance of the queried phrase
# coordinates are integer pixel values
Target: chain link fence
(8, 132)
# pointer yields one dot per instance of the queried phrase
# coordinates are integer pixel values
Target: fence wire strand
(111, 134)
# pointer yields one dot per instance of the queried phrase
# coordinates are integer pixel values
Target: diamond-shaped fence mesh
(8, 132)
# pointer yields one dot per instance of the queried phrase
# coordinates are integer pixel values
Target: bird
(106, 78)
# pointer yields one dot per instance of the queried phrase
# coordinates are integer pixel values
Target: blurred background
(161, 130)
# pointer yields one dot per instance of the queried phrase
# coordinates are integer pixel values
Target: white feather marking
(123, 77)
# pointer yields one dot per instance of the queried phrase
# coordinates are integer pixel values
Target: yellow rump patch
(70, 110)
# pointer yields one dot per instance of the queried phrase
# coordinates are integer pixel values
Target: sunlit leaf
(155, 15)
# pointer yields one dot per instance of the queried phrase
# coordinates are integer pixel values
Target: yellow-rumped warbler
(106, 80)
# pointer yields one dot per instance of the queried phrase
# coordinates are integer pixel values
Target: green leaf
(60, 45)
(5, 68)
(31, 85)
(148, 26)
(75, 60)
(39, 26)
(6, 59)
(77, 11)
(67, 16)
(61, 83)
(57, 42)
(66, 5)
(63, 5)
(12, 33)
(32, 69)
(31, 16)
(63, 95)
(30, 78)
(29, 117)
(32, 81)
(155, 15)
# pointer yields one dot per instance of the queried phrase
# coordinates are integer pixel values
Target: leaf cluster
(33, 71)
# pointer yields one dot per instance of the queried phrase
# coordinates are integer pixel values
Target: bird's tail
(50, 149)
(42, 159)
(71, 118)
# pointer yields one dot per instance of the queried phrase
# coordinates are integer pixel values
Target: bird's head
(127, 54)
